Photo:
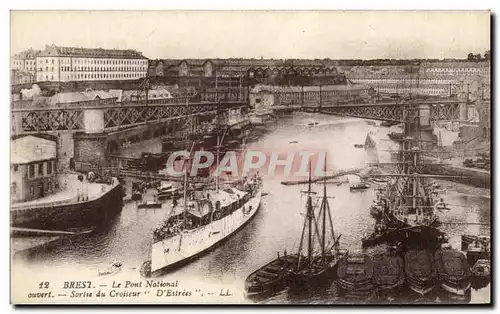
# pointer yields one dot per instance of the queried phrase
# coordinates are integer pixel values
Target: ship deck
(70, 190)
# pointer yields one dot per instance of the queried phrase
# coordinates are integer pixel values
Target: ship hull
(86, 214)
(268, 280)
(172, 253)
(304, 282)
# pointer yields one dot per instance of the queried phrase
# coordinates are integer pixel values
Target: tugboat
(205, 219)
(355, 276)
(271, 278)
(454, 272)
(421, 273)
(314, 270)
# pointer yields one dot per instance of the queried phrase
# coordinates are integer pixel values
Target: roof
(128, 95)
(66, 98)
(297, 89)
(91, 52)
(471, 64)
(30, 148)
(27, 54)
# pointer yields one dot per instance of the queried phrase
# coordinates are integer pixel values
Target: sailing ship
(205, 219)
(410, 199)
(316, 268)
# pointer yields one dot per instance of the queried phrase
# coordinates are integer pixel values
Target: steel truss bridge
(72, 118)
(445, 110)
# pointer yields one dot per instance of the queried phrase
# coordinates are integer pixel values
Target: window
(13, 188)
(32, 190)
(49, 167)
(16, 168)
(31, 171)
(52, 61)
(40, 169)
(49, 186)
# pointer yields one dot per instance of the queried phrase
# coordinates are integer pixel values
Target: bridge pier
(463, 111)
(91, 146)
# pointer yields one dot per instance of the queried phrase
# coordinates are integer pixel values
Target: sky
(256, 34)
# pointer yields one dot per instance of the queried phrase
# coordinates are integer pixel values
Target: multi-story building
(33, 168)
(23, 67)
(456, 68)
(25, 61)
(63, 64)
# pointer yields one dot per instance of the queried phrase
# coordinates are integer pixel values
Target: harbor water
(275, 228)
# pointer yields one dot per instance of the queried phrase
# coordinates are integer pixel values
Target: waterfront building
(33, 168)
(63, 64)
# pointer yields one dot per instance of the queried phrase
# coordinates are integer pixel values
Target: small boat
(293, 142)
(481, 272)
(359, 145)
(478, 249)
(358, 186)
(146, 269)
(167, 191)
(379, 235)
(114, 268)
(149, 204)
(395, 136)
(468, 239)
(373, 123)
(482, 268)
(355, 276)
(311, 124)
(421, 273)
(388, 273)
(453, 270)
(271, 278)
(137, 196)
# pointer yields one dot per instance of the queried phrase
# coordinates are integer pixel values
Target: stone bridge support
(90, 146)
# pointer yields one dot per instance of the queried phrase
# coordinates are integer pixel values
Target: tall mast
(219, 143)
(324, 213)
(217, 165)
(185, 193)
(309, 217)
(185, 185)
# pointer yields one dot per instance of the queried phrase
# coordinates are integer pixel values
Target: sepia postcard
(250, 157)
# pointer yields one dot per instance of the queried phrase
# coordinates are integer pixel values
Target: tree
(470, 57)
(487, 55)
